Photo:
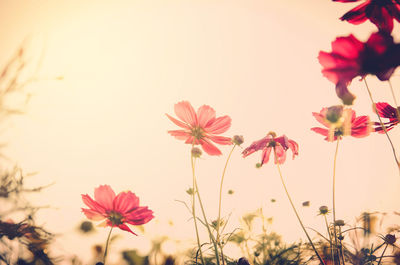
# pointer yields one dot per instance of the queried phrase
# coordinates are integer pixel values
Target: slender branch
(333, 193)
(295, 211)
(194, 210)
(394, 99)
(107, 243)
(383, 126)
(382, 254)
(330, 239)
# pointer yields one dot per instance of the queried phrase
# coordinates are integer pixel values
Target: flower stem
(194, 212)
(380, 259)
(383, 126)
(333, 193)
(206, 222)
(330, 239)
(295, 211)
(107, 242)
(220, 199)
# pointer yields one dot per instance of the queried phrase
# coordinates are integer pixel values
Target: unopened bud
(339, 222)
(258, 165)
(323, 209)
(334, 113)
(189, 191)
(390, 239)
(230, 192)
(306, 203)
(238, 139)
(196, 152)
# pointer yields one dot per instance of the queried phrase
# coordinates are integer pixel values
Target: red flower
(201, 127)
(269, 142)
(379, 12)
(341, 122)
(350, 58)
(389, 112)
(117, 210)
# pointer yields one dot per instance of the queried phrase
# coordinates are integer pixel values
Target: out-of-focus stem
(333, 193)
(107, 243)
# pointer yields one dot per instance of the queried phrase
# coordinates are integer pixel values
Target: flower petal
(125, 202)
(180, 134)
(179, 123)
(140, 216)
(294, 147)
(205, 116)
(280, 154)
(209, 148)
(93, 205)
(265, 155)
(126, 228)
(220, 139)
(93, 215)
(186, 113)
(104, 195)
(220, 125)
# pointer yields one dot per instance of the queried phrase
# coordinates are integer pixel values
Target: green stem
(220, 198)
(295, 211)
(383, 126)
(333, 193)
(382, 254)
(194, 212)
(330, 239)
(205, 219)
(106, 249)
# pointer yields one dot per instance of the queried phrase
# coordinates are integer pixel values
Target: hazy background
(126, 63)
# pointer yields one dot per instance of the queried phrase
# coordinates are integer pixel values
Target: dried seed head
(323, 210)
(339, 222)
(196, 152)
(390, 239)
(238, 139)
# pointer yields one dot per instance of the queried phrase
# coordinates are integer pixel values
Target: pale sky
(126, 63)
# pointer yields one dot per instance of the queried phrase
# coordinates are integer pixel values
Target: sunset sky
(124, 66)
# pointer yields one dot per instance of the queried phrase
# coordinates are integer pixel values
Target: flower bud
(306, 203)
(323, 210)
(339, 222)
(189, 191)
(390, 239)
(258, 165)
(230, 192)
(334, 113)
(196, 152)
(238, 139)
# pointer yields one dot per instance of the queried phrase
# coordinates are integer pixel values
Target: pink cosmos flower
(270, 142)
(200, 128)
(389, 112)
(341, 122)
(379, 12)
(351, 58)
(117, 210)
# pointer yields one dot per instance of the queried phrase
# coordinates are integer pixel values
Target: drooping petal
(180, 134)
(294, 147)
(220, 139)
(125, 202)
(257, 145)
(186, 113)
(361, 127)
(265, 155)
(126, 228)
(179, 123)
(283, 141)
(209, 148)
(104, 195)
(321, 131)
(280, 154)
(205, 116)
(93, 205)
(220, 125)
(93, 215)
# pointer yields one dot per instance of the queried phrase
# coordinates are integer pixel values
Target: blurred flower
(339, 222)
(346, 123)
(201, 127)
(269, 142)
(116, 209)
(230, 192)
(379, 12)
(351, 58)
(386, 111)
(86, 227)
(306, 203)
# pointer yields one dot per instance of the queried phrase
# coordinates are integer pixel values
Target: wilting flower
(118, 210)
(340, 122)
(270, 142)
(389, 112)
(351, 58)
(379, 12)
(200, 128)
